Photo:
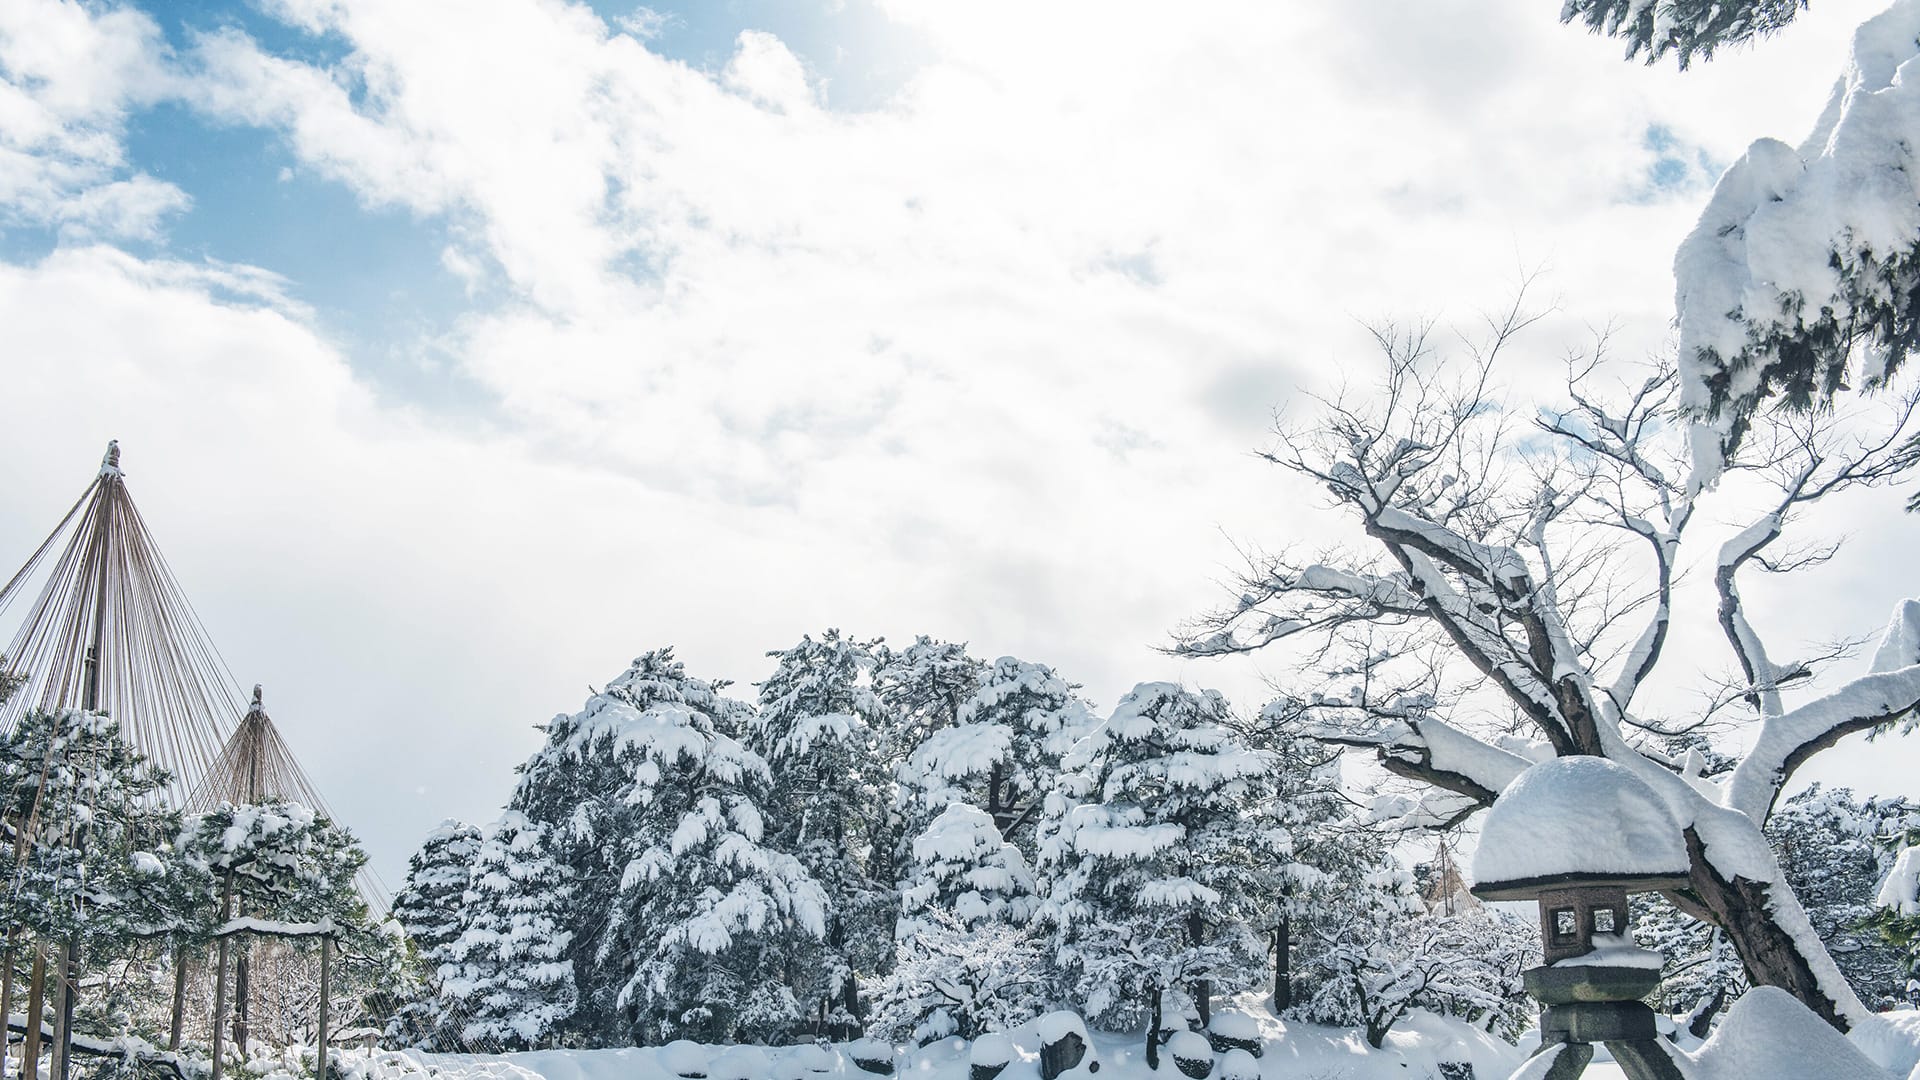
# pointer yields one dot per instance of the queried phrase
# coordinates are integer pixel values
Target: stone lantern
(1578, 835)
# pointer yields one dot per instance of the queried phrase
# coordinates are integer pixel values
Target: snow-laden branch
(1789, 739)
(247, 924)
(1435, 752)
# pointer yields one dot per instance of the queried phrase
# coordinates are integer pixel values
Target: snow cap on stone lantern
(1578, 834)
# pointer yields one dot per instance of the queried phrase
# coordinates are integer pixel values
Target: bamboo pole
(326, 982)
(36, 1001)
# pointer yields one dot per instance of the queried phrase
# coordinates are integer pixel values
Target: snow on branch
(1789, 739)
(1806, 258)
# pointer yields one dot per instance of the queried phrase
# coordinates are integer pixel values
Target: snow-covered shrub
(1233, 1030)
(871, 1055)
(1191, 1053)
(948, 980)
(740, 1063)
(989, 1055)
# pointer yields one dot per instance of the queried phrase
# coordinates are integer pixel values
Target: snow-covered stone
(1576, 817)
(1239, 1065)
(1615, 950)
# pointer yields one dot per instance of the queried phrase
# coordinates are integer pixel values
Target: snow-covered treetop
(1576, 817)
(1805, 257)
(1194, 750)
(650, 718)
(1685, 28)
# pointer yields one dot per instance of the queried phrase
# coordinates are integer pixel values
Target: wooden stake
(36, 1000)
(326, 981)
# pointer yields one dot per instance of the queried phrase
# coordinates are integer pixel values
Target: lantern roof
(1578, 821)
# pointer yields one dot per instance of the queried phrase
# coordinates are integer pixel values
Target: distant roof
(1573, 820)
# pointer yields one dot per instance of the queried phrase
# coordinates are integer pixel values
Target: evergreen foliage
(817, 729)
(1829, 844)
(1003, 755)
(1688, 29)
(430, 909)
(1163, 853)
(508, 980)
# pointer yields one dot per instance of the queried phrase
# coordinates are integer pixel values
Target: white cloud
(984, 363)
(69, 75)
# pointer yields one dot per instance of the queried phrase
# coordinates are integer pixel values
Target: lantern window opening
(1607, 920)
(1566, 925)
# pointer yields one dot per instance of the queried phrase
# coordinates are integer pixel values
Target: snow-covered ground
(1765, 1036)
(1414, 1051)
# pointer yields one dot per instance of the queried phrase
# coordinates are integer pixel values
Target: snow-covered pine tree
(429, 911)
(708, 917)
(1828, 844)
(817, 730)
(577, 786)
(508, 982)
(1896, 917)
(91, 870)
(966, 958)
(963, 867)
(923, 688)
(1003, 755)
(1163, 851)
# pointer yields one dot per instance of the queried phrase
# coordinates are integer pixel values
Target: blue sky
(463, 351)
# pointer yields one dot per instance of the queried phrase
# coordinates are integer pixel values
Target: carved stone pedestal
(1595, 1004)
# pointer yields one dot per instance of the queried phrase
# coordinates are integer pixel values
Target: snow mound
(807, 1058)
(991, 1049)
(1190, 1046)
(683, 1058)
(1239, 1065)
(1769, 1035)
(1234, 1025)
(740, 1063)
(1575, 817)
(1058, 1025)
(870, 1050)
(1892, 1039)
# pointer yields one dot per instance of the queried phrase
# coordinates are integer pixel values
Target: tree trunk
(1202, 988)
(56, 1064)
(69, 977)
(326, 973)
(6, 1001)
(1153, 1030)
(36, 1003)
(179, 998)
(220, 982)
(1770, 956)
(1282, 967)
(242, 997)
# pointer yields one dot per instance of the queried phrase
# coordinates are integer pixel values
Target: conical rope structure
(110, 629)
